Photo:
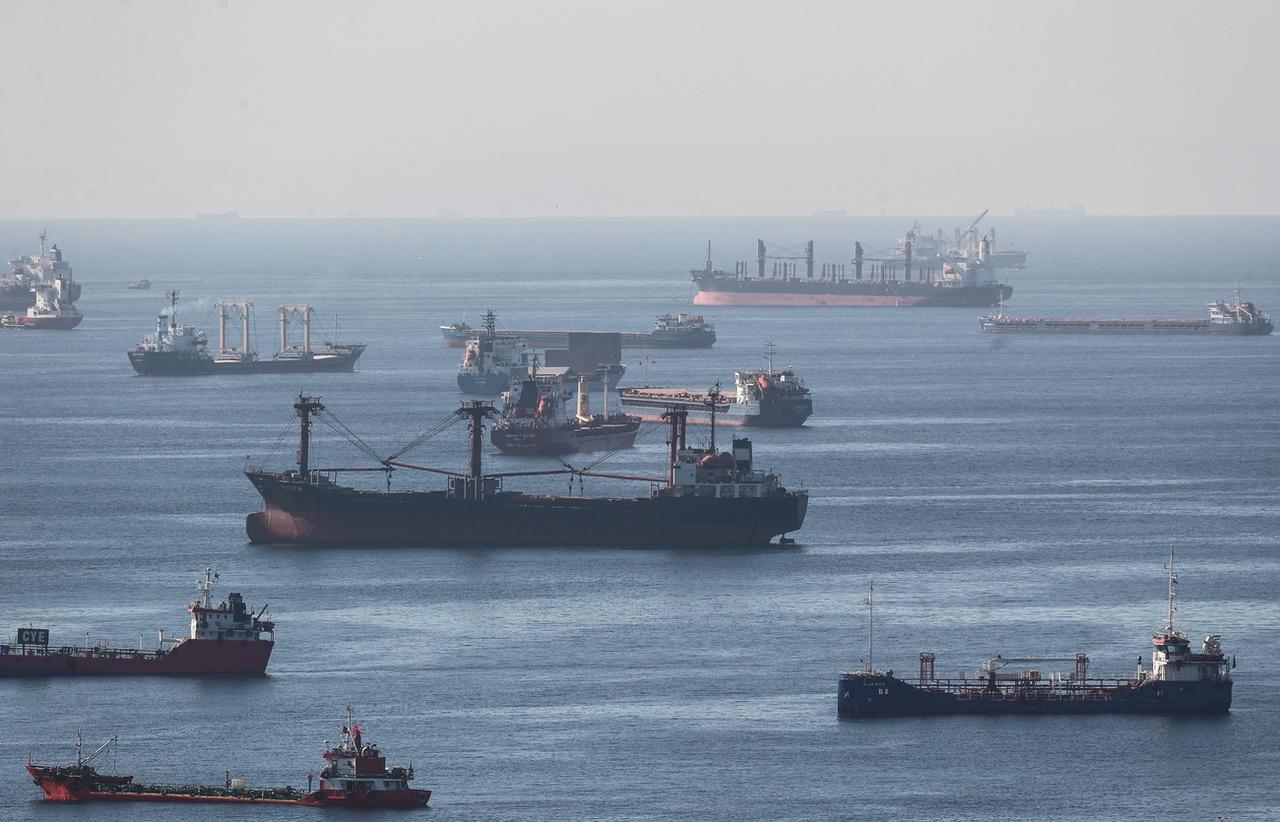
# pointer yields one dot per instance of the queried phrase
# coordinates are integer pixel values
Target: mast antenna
(713, 398)
(871, 634)
(1173, 593)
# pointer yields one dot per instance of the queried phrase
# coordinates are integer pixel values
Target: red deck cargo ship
(355, 775)
(226, 639)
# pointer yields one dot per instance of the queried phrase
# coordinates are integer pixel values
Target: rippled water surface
(1012, 495)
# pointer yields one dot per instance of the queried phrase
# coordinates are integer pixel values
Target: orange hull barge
(355, 775)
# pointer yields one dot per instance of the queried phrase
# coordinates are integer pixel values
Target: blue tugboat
(1179, 682)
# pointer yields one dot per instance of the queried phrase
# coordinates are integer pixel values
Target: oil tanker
(965, 283)
(182, 350)
(225, 639)
(708, 499)
(769, 398)
(1178, 682)
(1233, 317)
(355, 775)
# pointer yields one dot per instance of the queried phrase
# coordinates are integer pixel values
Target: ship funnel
(742, 454)
(584, 400)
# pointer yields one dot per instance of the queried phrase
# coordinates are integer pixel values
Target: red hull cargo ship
(957, 285)
(708, 499)
(355, 775)
(225, 639)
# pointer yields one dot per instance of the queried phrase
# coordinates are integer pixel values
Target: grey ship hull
(171, 364)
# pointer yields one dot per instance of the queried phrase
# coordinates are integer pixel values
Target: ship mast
(713, 397)
(490, 323)
(305, 406)
(205, 587)
(769, 349)
(871, 634)
(678, 419)
(1173, 594)
(476, 411)
(173, 307)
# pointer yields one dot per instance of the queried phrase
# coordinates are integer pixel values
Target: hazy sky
(159, 108)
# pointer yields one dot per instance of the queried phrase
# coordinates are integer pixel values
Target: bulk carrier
(669, 331)
(963, 283)
(225, 639)
(354, 775)
(708, 499)
(183, 350)
(1178, 682)
(1229, 317)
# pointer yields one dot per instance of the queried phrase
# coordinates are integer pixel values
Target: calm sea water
(1007, 495)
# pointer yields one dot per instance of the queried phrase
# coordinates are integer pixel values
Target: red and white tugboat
(355, 776)
(225, 639)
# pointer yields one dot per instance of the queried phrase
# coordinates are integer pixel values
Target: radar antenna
(205, 587)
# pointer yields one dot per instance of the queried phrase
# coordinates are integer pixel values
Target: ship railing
(1052, 688)
(79, 651)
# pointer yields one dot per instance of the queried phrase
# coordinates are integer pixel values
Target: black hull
(885, 695)
(169, 364)
(781, 413)
(326, 514)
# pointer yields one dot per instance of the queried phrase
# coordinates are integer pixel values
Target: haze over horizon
(150, 109)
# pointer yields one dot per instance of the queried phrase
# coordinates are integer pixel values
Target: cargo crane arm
(976, 220)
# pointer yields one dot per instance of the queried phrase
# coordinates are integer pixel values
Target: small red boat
(355, 775)
(225, 639)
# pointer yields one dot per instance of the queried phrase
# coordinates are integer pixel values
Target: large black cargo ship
(1178, 682)
(708, 499)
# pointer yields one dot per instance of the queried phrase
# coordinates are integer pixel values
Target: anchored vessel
(140, 285)
(963, 283)
(53, 308)
(534, 421)
(669, 331)
(355, 775)
(495, 360)
(1179, 682)
(966, 247)
(1233, 316)
(183, 350)
(226, 638)
(27, 274)
(766, 399)
(708, 499)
